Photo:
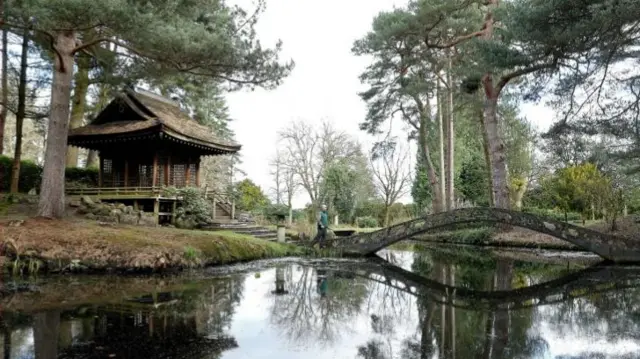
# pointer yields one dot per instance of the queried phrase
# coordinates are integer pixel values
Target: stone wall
(112, 212)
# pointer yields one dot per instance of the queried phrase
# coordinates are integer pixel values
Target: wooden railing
(115, 191)
(223, 200)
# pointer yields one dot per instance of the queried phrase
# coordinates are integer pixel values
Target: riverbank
(43, 245)
(524, 238)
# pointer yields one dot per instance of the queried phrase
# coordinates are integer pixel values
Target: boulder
(147, 220)
(107, 219)
(128, 210)
(124, 218)
(120, 206)
(90, 216)
(83, 210)
(102, 211)
(75, 204)
(87, 201)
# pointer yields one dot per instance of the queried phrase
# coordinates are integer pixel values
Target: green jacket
(324, 219)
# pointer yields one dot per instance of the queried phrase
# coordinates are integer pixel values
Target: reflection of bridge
(609, 247)
(589, 281)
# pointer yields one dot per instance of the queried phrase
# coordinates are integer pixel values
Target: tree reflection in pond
(344, 309)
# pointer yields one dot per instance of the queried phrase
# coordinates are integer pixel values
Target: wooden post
(154, 181)
(167, 172)
(187, 175)
(233, 209)
(198, 172)
(100, 167)
(213, 212)
(126, 173)
(173, 212)
(156, 210)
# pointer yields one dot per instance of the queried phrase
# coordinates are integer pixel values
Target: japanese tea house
(146, 142)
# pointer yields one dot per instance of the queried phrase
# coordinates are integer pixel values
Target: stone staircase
(246, 228)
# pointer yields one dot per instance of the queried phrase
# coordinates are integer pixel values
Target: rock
(145, 220)
(75, 204)
(124, 218)
(87, 201)
(90, 216)
(120, 206)
(16, 223)
(33, 192)
(106, 219)
(102, 211)
(83, 210)
(115, 213)
(128, 210)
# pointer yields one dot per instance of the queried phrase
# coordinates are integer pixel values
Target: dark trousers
(320, 237)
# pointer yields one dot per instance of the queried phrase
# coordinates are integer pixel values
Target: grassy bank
(48, 245)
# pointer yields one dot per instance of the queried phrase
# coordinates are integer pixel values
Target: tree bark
(487, 159)
(450, 143)
(386, 215)
(5, 86)
(79, 101)
(431, 172)
(51, 203)
(103, 98)
(518, 195)
(46, 330)
(22, 99)
(499, 174)
(443, 172)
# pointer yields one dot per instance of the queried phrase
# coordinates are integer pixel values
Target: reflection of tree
(305, 316)
(46, 328)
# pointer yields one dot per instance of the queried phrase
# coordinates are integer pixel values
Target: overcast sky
(318, 36)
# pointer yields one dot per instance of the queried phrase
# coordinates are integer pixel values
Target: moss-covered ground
(53, 245)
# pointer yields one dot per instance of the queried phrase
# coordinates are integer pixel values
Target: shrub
(30, 175)
(366, 222)
(82, 177)
(553, 214)
(194, 208)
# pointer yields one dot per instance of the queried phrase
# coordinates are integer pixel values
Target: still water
(427, 305)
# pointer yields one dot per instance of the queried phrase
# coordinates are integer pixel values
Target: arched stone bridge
(613, 248)
(589, 281)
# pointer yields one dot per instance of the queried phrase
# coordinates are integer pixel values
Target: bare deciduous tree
(310, 150)
(391, 175)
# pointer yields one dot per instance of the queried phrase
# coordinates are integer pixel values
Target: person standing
(323, 223)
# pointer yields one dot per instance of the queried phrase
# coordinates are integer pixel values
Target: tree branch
(524, 71)
(455, 41)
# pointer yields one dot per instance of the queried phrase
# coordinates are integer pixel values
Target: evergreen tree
(200, 37)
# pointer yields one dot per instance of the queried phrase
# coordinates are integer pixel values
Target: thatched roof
(153, 113)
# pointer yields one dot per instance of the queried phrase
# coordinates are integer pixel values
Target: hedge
(31, 175)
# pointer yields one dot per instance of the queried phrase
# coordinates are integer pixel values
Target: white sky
(318, 36)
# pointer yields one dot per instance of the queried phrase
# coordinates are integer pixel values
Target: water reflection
(432, 305)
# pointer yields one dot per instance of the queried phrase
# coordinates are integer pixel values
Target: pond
(422, 304)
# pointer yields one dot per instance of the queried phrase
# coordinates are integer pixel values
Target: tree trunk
(443, 173)
(386, 215)
(103, 98)
(92, 159)
(5, 85)
(518, 195)
(499, 175)
(46, 330)
(431, 172)
(450, 144)
(487, 159)
(22, 98)
(52, 190)
(79, 100)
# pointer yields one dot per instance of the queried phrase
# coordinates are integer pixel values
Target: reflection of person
(321, 283)
(323, 223)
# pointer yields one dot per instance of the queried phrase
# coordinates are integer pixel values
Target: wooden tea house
(147, 142)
